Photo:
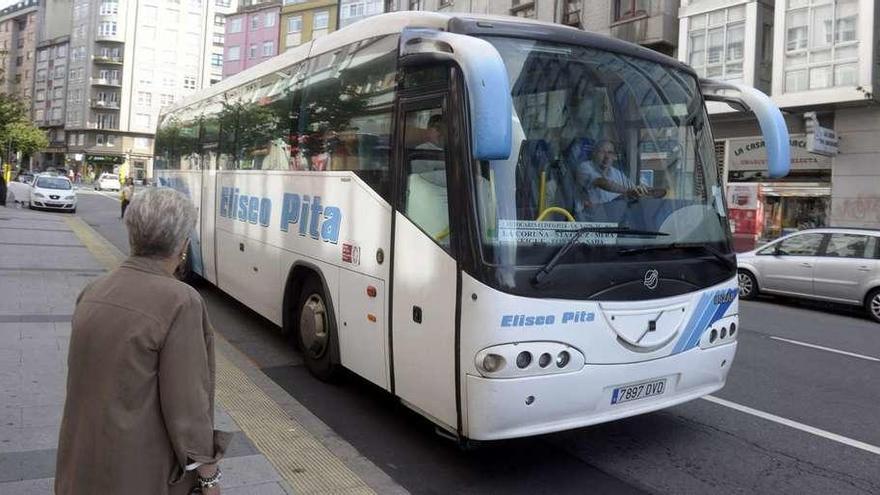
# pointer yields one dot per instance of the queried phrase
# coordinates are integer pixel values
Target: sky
(7, 3)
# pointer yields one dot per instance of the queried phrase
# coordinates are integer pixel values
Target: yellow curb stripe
(301, 460)
(106, 253)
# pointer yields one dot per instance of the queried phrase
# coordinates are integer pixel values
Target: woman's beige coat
(140, 387)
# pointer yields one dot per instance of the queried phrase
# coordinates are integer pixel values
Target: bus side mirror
(770, 119)
(485, 76)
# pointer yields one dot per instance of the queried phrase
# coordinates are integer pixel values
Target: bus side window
(347, 111)
(426, 201)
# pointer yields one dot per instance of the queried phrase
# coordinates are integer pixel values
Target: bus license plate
(638, 391)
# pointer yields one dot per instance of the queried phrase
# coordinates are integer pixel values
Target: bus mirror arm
(770, 119)
(485, 77)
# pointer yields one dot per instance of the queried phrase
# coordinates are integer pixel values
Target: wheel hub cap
(745, 284)
(313, 326)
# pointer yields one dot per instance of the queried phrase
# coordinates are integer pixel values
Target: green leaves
(17, 133)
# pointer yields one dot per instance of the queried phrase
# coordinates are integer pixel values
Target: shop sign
(749, 154)
(822, 141)
(743, 196)
(105, 159)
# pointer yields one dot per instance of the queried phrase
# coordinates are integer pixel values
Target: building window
(61, 51)
(294, 24)
(321, 20)
(39, 114)
(223, 3)
(821, 45)
(629, 9)
(189, 82)
(40, 95)
(216, 59)
(252, 51)
(233, 53)
(43, 55)
(270, 20)
(166, 99)
(415, 5)
(716, 43)
(58, 93)
(99, 139)
(107, 28)
(255, 22)
(268, 48)
(109, 7)
(110, 140)
(235, 25)
(56, 113)
(142, 120)
(523, 8)
(144, 98)
(219, 20)
(41, 75)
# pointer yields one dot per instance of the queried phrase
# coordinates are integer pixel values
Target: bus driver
(602, 181)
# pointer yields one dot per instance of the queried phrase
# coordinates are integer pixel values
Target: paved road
(793, 418)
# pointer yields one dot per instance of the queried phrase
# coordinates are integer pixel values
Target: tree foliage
(17, 133)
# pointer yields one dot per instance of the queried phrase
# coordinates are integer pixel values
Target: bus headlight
(492, 361)
(721, 332)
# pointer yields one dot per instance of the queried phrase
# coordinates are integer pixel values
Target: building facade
(351, 11)
(50, 99)
(305, 20)
(817, 60)
(126, 61)
(218, 11)
(251, 36)
(19, 29)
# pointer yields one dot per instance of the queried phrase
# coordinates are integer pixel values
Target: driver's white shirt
(587, 173)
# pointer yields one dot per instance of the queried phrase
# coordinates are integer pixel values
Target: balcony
(100, 81)
(655, 30)
(117, 38)
(107, 59)
(105, 104)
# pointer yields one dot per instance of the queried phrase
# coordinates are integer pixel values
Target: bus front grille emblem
(652, 279)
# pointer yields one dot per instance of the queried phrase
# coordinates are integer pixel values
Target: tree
(24, 137)
(17, 134)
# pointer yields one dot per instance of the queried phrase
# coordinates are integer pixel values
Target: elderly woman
(140, 387)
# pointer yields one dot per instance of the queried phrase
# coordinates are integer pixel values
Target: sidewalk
(45, 260)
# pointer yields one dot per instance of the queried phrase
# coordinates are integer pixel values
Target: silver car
(832, 264)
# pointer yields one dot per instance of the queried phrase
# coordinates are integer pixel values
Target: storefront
(798, 201)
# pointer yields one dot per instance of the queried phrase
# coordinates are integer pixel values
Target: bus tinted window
(177, 145)
(347, 107)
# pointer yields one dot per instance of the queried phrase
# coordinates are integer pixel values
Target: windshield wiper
(718, 255)
(545, 270)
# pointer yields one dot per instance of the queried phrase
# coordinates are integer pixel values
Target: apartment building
(351, 11)
(251, 36)
(650, 23)
(218, 11)
(305, 20)
(19, 28)
(50, 98)
(127, 60)
(817, 60)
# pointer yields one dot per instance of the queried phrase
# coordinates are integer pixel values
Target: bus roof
(395, 22)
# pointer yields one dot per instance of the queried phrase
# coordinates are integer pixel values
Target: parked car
(831, 264)
(107, 182)
(53, 192)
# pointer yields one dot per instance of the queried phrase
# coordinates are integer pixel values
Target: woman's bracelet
(211, 481)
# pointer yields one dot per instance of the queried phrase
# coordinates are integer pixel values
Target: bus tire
(316, 331)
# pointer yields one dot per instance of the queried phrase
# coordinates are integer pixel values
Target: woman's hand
(214, 490)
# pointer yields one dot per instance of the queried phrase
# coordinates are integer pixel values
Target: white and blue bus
(513, 227)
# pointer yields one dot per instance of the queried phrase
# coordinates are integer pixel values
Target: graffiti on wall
(861, 208)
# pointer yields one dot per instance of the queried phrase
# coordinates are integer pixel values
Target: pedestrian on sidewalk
(139, 413)
(127, 192)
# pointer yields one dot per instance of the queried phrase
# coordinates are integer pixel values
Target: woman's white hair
(159, 220)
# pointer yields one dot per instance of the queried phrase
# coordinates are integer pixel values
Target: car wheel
(31, 206)
(872, 304)
(317, 331)
(748, 286)
(73, 211)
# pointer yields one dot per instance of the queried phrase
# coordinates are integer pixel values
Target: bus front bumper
(519, 407)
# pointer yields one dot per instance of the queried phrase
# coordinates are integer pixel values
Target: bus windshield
(601, 141)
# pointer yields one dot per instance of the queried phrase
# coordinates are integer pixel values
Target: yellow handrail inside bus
(556, 209)
(542, 190)
(443, 234)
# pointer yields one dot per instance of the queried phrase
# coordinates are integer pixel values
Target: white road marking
(794, 424)
(837, 351)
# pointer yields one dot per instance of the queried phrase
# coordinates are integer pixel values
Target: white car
(108, 182)
(53, 192)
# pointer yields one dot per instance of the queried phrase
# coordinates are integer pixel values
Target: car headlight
(70, 197)
(39, 195)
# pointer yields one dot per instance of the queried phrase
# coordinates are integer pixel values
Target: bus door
(424, 267)
(207, 213)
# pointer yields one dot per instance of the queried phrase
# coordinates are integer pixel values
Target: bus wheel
(317, 331)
